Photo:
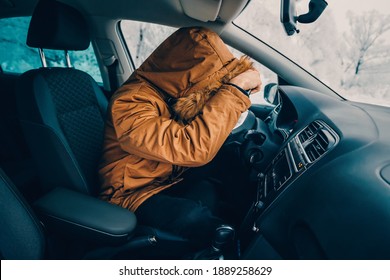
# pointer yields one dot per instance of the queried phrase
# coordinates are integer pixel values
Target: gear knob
(224, 234)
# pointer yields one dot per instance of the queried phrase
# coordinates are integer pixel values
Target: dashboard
(322, 180)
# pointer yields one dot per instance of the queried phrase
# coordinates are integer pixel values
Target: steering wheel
(246, 122)
(241, 120)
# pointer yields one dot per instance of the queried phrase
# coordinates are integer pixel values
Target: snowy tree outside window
(347, 48)
(143, 38)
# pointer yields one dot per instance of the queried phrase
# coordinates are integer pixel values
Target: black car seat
(21, 234)
(62, 112)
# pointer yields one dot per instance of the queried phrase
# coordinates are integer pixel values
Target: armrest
(78, 215)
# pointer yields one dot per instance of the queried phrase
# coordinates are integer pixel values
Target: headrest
(55, 25)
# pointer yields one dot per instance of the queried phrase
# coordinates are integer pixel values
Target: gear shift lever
(224, 234)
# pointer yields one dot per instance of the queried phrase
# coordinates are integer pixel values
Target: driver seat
(62, 112)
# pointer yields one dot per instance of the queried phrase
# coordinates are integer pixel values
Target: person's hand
(248, 80)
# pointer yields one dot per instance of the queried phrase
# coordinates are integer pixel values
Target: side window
(17, 57)
(143, 38)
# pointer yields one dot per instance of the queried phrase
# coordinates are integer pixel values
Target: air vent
(316, 140)
(309, 131)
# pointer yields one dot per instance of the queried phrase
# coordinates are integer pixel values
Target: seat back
(21, 234)
(62, 110)
(15, 158)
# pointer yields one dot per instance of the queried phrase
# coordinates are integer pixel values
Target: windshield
(347, 48)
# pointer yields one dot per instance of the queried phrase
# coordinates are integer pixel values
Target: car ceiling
(170, 12)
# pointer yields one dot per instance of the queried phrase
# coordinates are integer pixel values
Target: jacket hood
(190, 66)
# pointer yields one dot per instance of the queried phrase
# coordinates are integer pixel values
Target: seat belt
(111, 64)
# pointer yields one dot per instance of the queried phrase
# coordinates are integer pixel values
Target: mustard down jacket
(149, 144)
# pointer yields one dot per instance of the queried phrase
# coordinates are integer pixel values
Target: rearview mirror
(289, 17)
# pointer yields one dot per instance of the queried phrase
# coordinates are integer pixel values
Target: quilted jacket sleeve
(143, 131)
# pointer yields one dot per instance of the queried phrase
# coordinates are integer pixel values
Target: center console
(297, 155)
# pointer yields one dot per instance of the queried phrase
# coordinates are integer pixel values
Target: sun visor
(203, 10)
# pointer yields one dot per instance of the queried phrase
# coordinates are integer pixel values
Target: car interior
(317, 165)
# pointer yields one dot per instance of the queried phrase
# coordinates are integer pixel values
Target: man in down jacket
(173, 114)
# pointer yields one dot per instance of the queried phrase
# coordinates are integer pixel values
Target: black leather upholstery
(21, 234)
(62, 113)
(81, 216)
(57, 26)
